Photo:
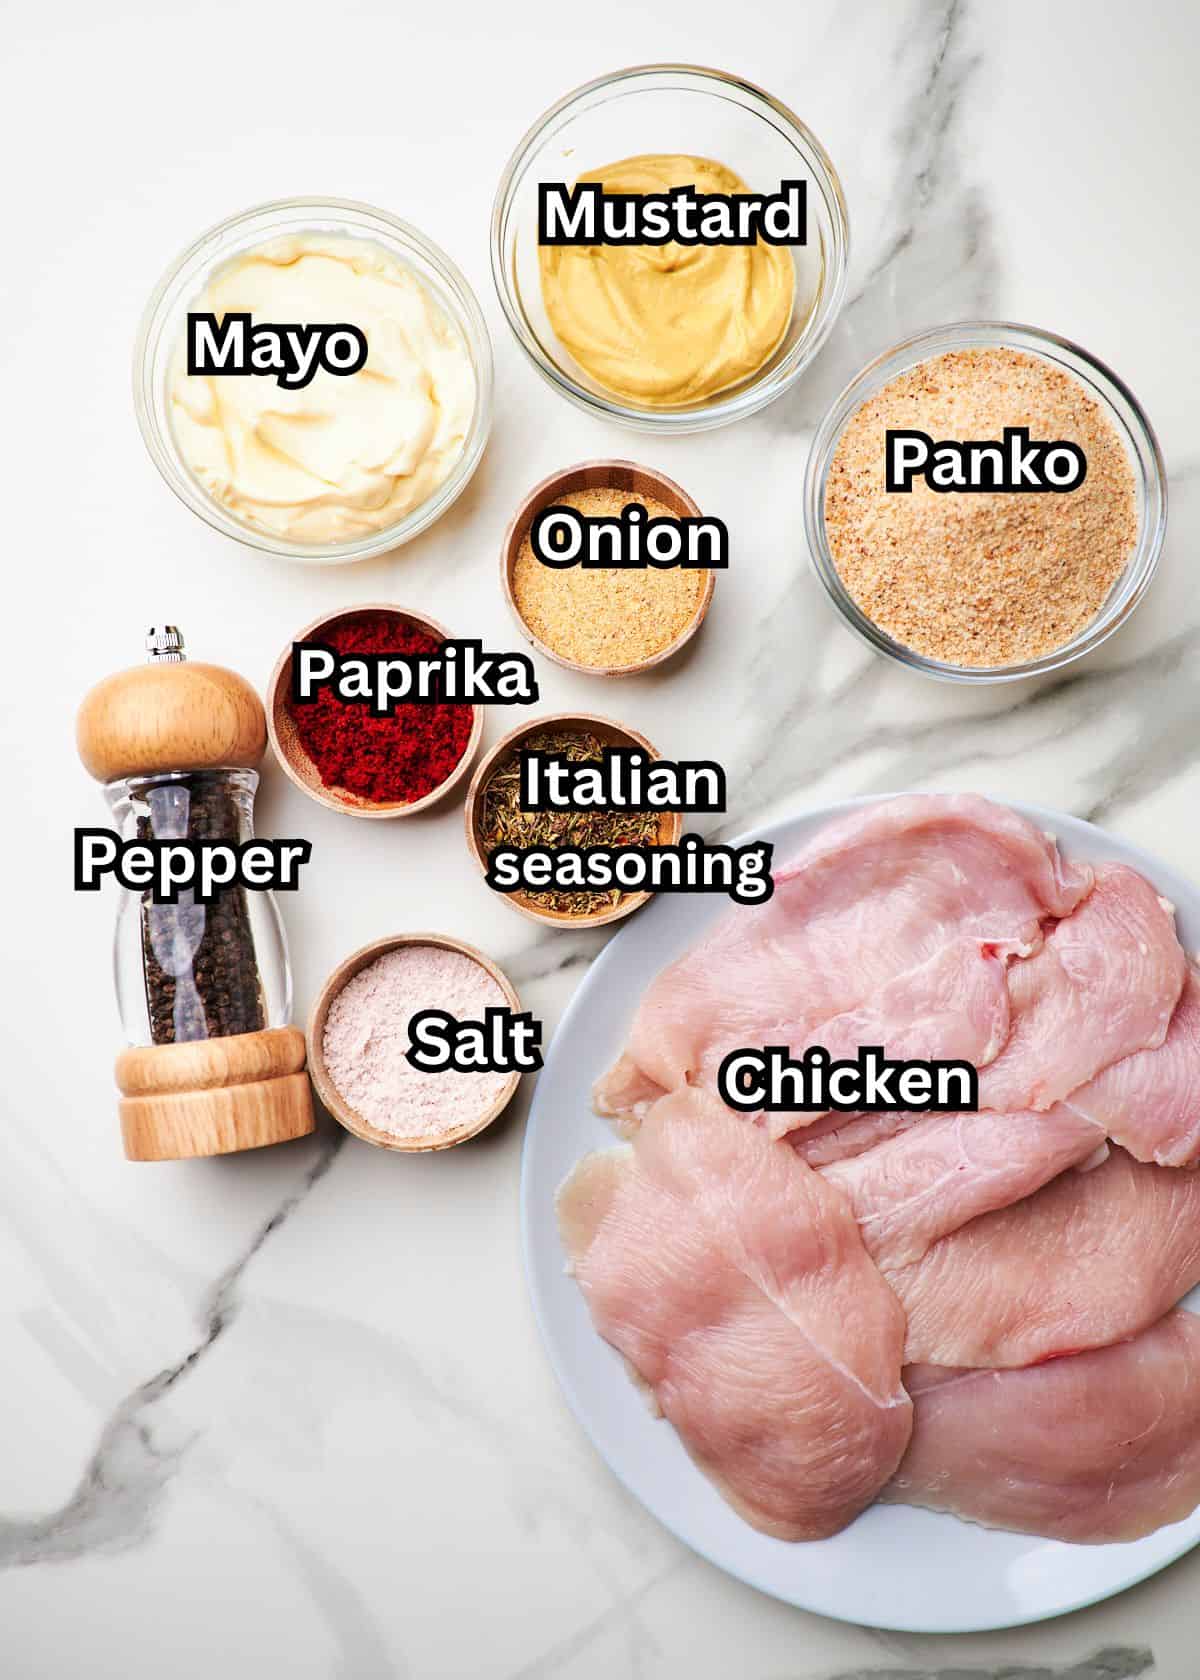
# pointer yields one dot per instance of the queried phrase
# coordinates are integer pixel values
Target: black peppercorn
(201, 972)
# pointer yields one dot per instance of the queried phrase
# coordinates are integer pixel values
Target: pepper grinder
(204, 990)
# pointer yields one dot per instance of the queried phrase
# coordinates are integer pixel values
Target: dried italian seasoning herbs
(505, 823)
(201, 972)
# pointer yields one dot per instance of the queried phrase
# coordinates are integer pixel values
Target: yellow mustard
(667, 325)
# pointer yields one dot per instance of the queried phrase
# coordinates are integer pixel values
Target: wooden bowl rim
(323, 795)
(549, 918)
(328, 1092)
(540, 496)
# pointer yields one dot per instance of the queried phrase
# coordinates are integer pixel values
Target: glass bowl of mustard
(338, 468)
(670, 338)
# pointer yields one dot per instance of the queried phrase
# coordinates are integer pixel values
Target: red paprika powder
(399, 758)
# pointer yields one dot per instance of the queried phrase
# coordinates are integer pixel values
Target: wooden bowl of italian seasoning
(495, 819)
(605, 622)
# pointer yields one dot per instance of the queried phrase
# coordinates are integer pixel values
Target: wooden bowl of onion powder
(605, 622)
(358, 1036)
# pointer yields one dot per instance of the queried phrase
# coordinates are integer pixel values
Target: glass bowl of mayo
(687, 330)
(313, 378)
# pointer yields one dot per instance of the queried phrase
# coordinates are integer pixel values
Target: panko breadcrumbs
(981, 578)
(606, 618)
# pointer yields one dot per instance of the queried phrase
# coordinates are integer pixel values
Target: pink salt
(366, 1037)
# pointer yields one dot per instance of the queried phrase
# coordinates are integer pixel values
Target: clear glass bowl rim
(1128, 415)
(748, 399)
(468, 318)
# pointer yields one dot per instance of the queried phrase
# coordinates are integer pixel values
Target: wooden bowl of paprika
(485, 804)
(350, 761)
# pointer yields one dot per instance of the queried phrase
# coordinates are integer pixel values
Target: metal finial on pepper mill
(204, 990)
(165, 641)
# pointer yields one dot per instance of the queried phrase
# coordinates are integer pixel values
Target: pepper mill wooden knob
(206, 1072)
(170, 715)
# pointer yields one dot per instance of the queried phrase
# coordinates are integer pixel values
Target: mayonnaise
(346, 454)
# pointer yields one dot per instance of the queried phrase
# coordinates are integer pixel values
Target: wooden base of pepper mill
(214, 1096)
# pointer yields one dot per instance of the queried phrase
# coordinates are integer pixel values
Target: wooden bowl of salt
(417, 1141)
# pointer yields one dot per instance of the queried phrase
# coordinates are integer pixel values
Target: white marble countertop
(286, 1413)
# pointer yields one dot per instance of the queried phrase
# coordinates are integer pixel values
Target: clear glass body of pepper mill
(204, 990)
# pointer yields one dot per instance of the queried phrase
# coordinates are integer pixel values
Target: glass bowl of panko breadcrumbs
(965, 582)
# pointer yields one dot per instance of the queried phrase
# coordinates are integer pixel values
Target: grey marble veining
(135, 1459)
(1112, 1663)
(932, 254)
(289, 1414)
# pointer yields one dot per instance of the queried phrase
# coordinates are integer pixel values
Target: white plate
(895, 1567)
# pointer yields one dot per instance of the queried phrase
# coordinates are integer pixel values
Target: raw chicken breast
(734, 1281)
(1103, 986)
(947, 1169)
(876, 895)
(955, 1005)
(1093, 1258)
(1100, 1447)
(1149, 1103)
(839, 1136)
